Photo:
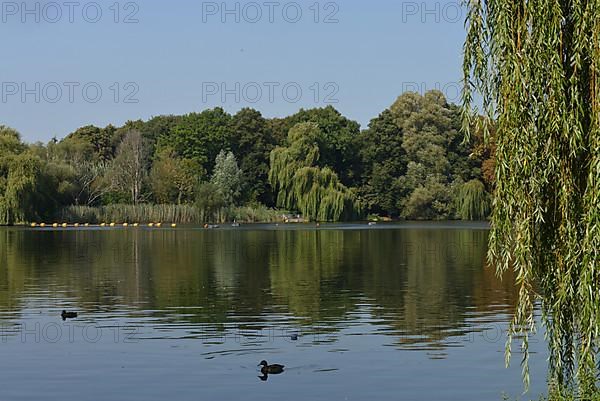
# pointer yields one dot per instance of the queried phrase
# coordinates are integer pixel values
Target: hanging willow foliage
(18, 180)
(473, 201)
(302, 185)
(536, 65)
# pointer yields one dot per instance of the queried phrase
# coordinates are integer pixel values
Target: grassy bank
(180, 214)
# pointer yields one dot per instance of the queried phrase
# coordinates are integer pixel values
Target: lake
(391, 312)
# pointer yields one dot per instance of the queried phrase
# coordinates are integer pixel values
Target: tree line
(411, 162)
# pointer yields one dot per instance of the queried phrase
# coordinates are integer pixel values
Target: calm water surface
(392, 312)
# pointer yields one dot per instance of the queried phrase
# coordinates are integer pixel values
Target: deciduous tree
(129, 169)
(537, 68)
(302, 185)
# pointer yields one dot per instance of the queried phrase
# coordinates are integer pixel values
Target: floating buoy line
(112, 225)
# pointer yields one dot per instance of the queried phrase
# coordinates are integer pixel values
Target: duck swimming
(68, 315)
(267, 369)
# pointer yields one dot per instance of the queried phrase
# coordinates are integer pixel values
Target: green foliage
(384, 161)
(253, 141)
(315, 191)
(227, 178)
(427, 126)
(210, 203)
(173, 179)
(409, 163)
(537, 67)
(473, 201)
(199, 136)
(142, 213)
(10, 141)
(19, 174)
(129, 169)
(18, 178)
(256, 213)
(155, 128)
(484, 155)
(414, 158)
(216, 199)
(428, 201)
(571, 396)
(75, 168)
(101, 140)
(337, 142)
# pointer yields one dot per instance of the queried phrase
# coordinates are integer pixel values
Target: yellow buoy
(125, 224)
(103, 225)
(76, 225)
(55, 225)
(33, 224)
(64, 224)
(87, 224)
(173, 225)
(158, 224)
(135, 224)
(151, 225)
(112, 224)
(43, 225)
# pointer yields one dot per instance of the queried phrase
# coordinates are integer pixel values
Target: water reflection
(421, 287)
(389, 312)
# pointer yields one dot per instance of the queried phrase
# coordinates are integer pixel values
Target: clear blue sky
(179, 53)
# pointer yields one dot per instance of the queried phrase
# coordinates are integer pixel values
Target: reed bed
(179, 214)
(257, 214)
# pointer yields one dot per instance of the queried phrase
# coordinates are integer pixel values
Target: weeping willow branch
(18, 180)
(302, 185)
(536, 65)
(473, 201)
